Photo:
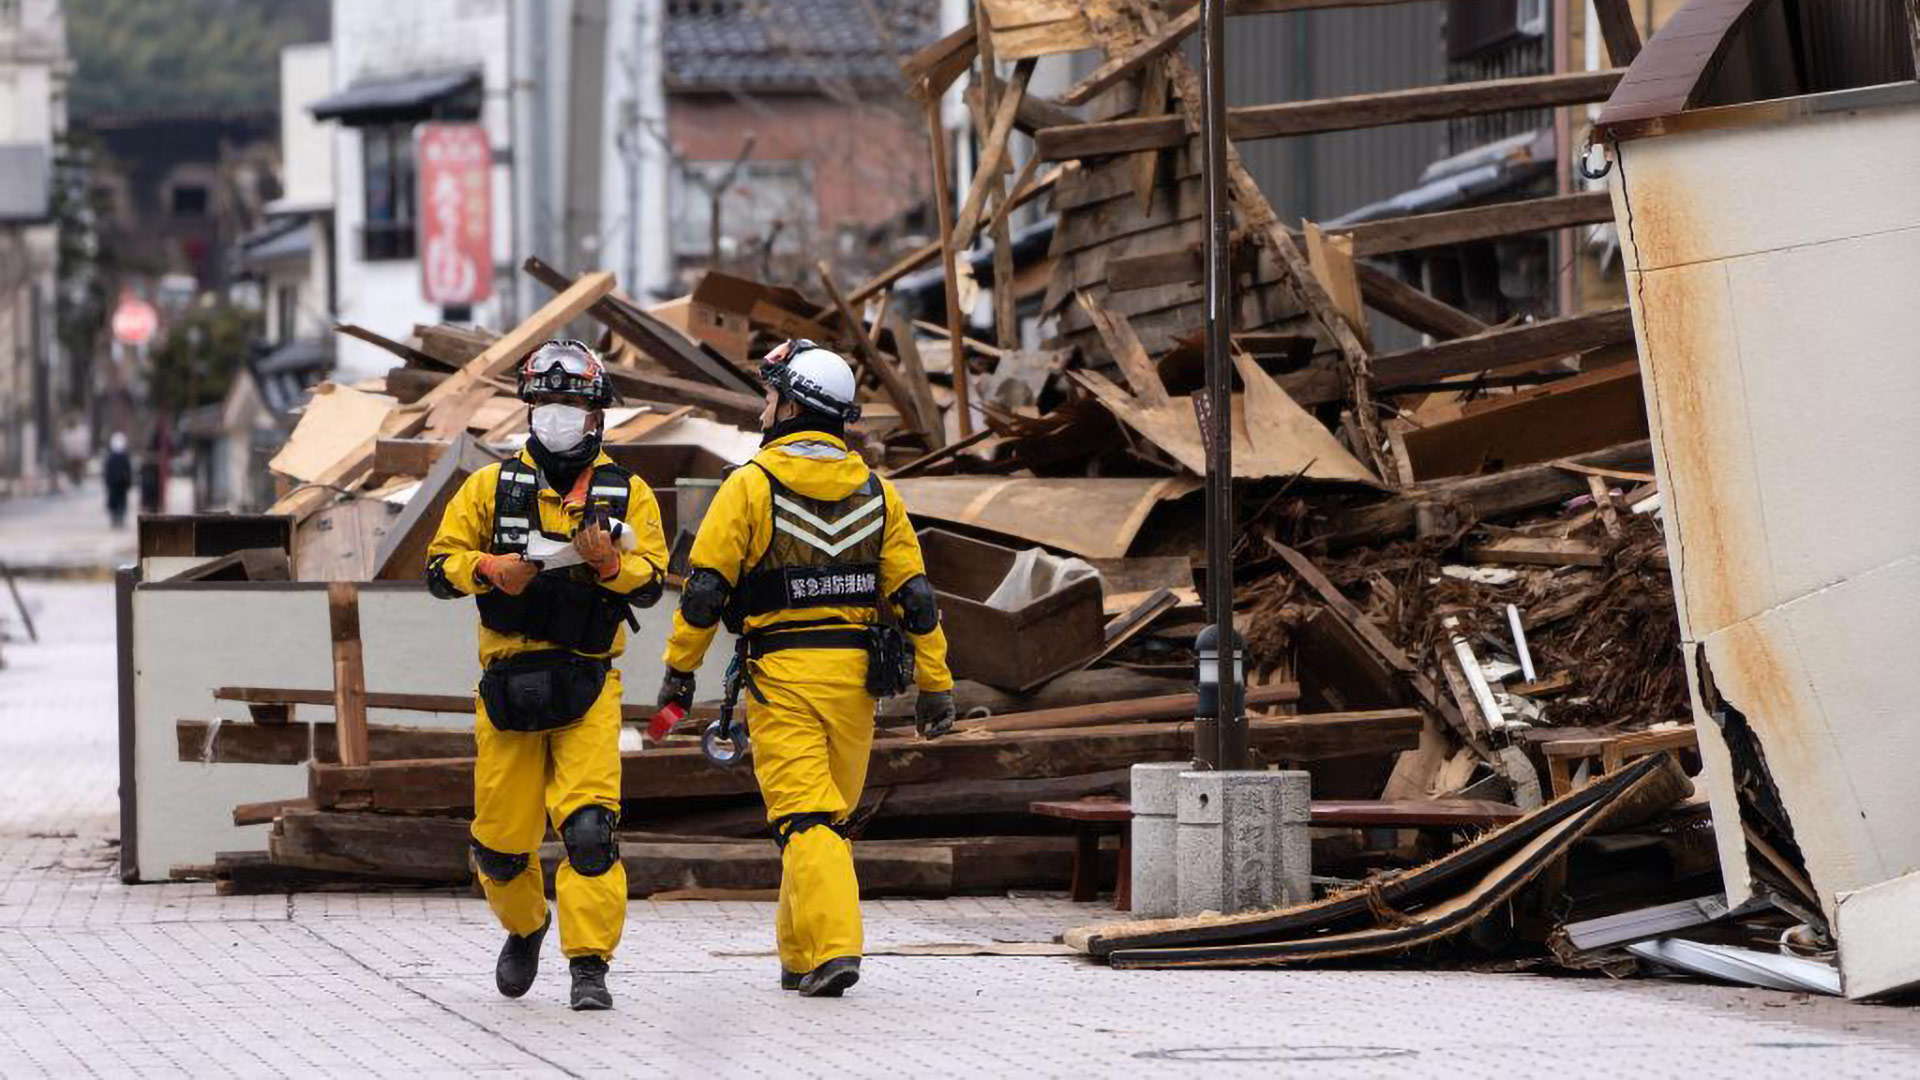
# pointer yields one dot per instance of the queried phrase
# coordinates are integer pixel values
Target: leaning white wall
(1774, 273)
(189, 639)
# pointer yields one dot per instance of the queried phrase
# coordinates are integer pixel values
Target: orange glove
(511, 574)
(595, 546)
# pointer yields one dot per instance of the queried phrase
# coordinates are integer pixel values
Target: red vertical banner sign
(455, 213)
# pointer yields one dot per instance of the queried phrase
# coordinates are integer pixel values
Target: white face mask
(560, 428)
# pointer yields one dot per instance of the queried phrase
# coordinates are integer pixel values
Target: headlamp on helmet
(566, 366)
(819, 379)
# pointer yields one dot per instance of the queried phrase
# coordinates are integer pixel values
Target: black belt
(772, 640)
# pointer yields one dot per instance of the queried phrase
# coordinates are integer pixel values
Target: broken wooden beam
(1446, 102)
(1618, 30)
(1119, 67)
(652, 337)
(1535, 551)
(454, 402)
(1505, 347)
(447, 785)
(1513, 491)
(237, 742)
(1418, 231)
(993, 157)
(1161, 707)
(349, 674)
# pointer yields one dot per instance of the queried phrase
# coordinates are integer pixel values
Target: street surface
(97, 978)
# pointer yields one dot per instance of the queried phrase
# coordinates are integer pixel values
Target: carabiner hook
(1586, 154)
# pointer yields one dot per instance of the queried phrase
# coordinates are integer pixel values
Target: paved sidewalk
(64, 533)
(97, 978)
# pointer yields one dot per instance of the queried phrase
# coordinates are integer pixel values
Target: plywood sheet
(336, 422)
(1097, 518)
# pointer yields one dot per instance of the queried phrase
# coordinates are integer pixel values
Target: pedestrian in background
(118, 474)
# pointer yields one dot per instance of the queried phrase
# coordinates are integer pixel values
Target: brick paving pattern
(97, 978)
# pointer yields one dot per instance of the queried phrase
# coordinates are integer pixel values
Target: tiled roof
(792, 44)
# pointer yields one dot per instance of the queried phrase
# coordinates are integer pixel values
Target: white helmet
(815, 377)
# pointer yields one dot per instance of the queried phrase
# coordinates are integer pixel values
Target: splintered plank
(674, 772)
(1513, 491)
(1532, 551)
(1419, 231)
(1446, 102)
(454, 402)
(1492, 350)
(349, 676)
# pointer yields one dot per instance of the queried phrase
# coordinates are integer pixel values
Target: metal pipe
(1226, 747)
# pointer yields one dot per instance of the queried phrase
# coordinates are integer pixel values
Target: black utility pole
(1221, 743)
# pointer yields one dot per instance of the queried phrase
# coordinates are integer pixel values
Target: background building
(33, 74)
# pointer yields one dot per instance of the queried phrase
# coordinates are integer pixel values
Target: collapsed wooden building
(1450, 573)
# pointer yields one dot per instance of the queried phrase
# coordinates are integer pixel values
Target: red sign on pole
(134, 320)
(456, 213)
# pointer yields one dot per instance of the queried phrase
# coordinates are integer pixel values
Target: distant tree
(161, 54)
(203, 349)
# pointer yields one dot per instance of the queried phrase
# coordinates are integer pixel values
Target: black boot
(520, 961)
(590, 983)
(832, 978)
(790, 980)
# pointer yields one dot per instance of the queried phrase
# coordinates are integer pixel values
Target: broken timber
(1334, 114)
(447, 785)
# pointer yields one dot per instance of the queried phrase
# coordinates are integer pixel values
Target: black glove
(933, 713)
(675, 689)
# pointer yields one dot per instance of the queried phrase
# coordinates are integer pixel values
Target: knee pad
(498, 866)
(919, 610)
(704, 598)
(785, 829)
(588, 834)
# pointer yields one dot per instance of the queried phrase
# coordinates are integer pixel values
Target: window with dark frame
(387, 156)
(286, 306)
(188, 201)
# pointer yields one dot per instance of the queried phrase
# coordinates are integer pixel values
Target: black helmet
(566, 366)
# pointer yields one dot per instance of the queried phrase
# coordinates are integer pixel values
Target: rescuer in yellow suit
(798, 553)
(556, 545)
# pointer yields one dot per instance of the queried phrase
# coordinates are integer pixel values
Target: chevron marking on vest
(834, 527)
(830, 549)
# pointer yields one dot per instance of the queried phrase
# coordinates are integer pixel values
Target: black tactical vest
(824, 552)
(561, 606)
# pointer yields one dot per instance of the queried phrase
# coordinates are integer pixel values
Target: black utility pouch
(889, 662)
(540, 691)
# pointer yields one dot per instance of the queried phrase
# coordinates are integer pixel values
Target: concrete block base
(1243, 841)
(1155, 798)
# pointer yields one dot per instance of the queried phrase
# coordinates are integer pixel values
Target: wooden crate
(1012, 650)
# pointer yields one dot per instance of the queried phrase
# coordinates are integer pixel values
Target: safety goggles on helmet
(799, 371)
(566, 366)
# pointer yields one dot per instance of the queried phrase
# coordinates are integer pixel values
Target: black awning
(446, 95)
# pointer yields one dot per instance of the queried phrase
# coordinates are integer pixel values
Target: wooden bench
(1565, 756)
(1097, 817)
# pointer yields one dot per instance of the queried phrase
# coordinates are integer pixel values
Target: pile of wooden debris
(1451, 575)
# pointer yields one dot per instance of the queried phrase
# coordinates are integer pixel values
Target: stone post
(1243, 840)
(1155, 797)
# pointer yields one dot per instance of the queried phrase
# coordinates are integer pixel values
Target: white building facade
(33, 73)
(568, 92)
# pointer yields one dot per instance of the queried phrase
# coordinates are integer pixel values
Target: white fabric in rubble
(1036, 574)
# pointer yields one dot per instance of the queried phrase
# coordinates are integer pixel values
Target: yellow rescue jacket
(466, 537)
(739, 526)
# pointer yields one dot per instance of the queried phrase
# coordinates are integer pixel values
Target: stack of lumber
(942, 816)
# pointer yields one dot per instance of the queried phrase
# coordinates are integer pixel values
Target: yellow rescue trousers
(525, 781)
(811, 740)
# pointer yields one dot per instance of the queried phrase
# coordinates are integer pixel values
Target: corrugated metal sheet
(1277, 58)
(1851, 43)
